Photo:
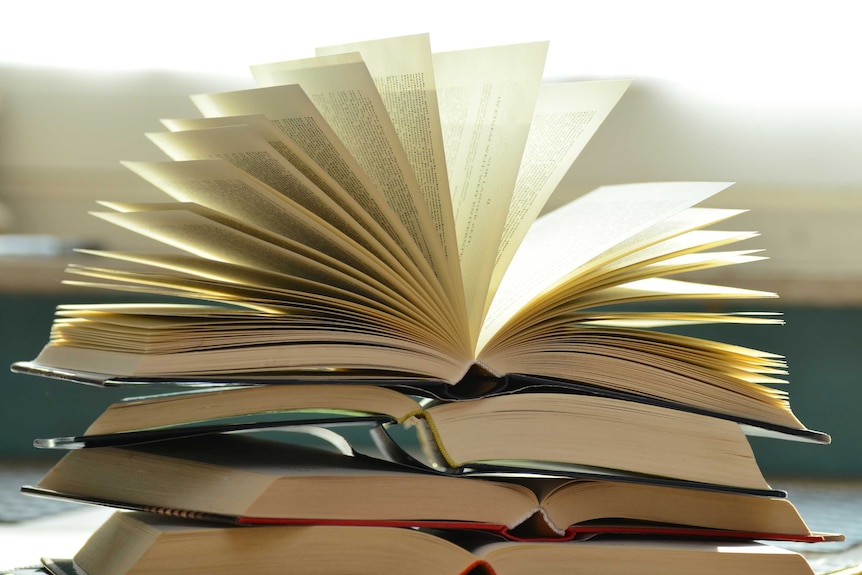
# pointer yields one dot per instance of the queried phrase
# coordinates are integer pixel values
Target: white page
(487, 97)
(566, 117)
(562, 241)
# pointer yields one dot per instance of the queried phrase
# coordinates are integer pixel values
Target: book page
(299, 309)
(486, 99)
(562, 241)
(675, 236)
(657, 319)
(302, 290)
(219, 185)
(663, 288)
(192, 333)
(566, 117)
(568, 305)
(403, 71)
(672, 232)
(316, 151)
(344, 93)
(280, 288)
(676, 250)
(244, 148)
(666, 258)
(193, 232)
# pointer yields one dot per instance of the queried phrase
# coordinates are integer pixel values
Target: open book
(131, 543)
(537, 430)
(371, 212)
(248, 480)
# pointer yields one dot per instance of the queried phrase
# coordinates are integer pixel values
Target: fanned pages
(371, 213)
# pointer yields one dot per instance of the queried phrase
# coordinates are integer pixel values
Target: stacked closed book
(391, 359)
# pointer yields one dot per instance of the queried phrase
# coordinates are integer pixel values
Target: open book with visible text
(371, 214)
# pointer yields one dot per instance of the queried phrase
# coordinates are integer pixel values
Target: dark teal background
(823, 347)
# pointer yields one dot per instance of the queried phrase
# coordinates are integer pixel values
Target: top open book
(372, 212)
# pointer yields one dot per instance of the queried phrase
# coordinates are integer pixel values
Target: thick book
(374, 211)
(248, 481)
(537, 430)
(475, 385)
(139, 544)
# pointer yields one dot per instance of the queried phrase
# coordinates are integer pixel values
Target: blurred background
(764, 94)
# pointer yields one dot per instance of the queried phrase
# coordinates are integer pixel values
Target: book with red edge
(246, 480)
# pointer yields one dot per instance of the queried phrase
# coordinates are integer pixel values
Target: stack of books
(379, 357)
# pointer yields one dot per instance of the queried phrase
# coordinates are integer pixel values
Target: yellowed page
(322, 157)
(566, 117)
(193, 232)
(660, 287)
(281, 287)
(701, 374)
(672, 231)
(664, 265)
(678, 249)
(678, 235)
(183, 331)
(305, 140)
(659, 319)
(486, 99)
(562, 302)
(244, 148)
(560, 311)
(160, 219)
(275, 290)
(221, 186)
(403, 72)
(317, 152)
(562, 241)
(344, 92)
(669, 257)
(359, 352)
(320, 249)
